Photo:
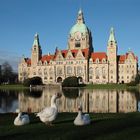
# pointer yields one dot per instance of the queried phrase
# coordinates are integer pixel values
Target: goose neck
(80, 113)
(53, 102)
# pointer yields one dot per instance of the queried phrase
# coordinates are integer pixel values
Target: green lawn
(102, 127)
(89, 86)
(110, 86)
(13, 87)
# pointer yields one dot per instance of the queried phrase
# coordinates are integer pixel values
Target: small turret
(36, 40)
(80, 18)
(112, 35)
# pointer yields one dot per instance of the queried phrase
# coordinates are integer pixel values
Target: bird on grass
(21, 119)
(49, 114)
(81, 119)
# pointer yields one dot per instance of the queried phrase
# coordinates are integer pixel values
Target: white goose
(21, 119)
(48, 114)
(82, 119)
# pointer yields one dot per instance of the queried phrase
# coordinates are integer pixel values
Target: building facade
(80, 60)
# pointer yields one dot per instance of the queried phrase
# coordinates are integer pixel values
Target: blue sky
(53, 19)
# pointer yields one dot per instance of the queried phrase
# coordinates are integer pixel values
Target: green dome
(78, 28)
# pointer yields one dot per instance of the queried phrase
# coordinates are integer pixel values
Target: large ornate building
(80, 60)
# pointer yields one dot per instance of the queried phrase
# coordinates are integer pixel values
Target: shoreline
(88, 86)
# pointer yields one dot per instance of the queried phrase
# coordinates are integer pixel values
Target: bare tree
(7, 74)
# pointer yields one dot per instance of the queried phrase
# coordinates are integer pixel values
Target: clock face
(77, 35)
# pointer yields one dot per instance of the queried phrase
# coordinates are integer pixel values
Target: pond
(92, 100)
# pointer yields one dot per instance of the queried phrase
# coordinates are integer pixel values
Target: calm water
(102, 101)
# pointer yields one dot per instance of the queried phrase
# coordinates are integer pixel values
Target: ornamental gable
(130, 56)
(59, 56)
(80, 55)
(127, 56)
(69, 55)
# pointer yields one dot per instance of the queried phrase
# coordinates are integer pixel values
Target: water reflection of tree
(7, 100)
(34, 93)
(71, 92)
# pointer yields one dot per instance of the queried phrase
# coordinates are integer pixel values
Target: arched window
(69, 70)
(34, 48)
(45, 78)
(97, 60)
(39, 72)
(59, 80)
(90, 70)
(97, 71)
(103, 71)
(45, 71)
(90, 77)
(51, 71)
(77, 44)
(39, 63)
(90, 61)
(59, 70)
(103, 60)
(111, 71)
(45, 63)
(79, 70)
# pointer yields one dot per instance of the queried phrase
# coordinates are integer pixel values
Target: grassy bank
(13, 87)
(89, 86)
(110, 86)
(102, 127)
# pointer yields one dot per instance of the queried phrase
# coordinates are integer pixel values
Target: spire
(80, 11)
(36, 40)
(80, 18)
(56, 49)
(112, 35)
(129, 49)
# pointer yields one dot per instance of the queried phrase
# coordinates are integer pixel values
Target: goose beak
(79, 109)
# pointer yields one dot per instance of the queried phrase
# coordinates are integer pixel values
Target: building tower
(80, 36)
(36, 51)
(112, 57)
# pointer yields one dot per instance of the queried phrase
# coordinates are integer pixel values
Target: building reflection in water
(98, 101)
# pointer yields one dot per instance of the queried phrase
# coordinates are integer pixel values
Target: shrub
(135, 82)
(137, 79)
(27, 82)
(35, 94)
(132, 83)
(32, 81)
(70, 82)
(36, 81)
